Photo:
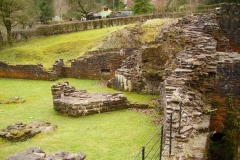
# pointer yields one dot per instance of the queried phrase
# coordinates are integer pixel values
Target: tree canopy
(85, 6)
(46, 10)
(113, 4)
(14, 12)
(142, 7)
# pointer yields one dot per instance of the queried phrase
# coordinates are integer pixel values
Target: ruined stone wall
(144, 69)
(199, 78)
(96, 64)
(69, 101)
(181, 87)
(31, 71)
(93, 65)
(127, 76)
(229, 20)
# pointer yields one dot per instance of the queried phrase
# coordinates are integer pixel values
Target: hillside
(46, 50)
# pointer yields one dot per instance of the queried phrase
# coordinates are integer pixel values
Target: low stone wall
(48, 30)
(69, 101)
(92, 65)
(31, 71)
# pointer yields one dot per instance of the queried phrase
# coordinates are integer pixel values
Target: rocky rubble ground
(21, 132)
(13, 100)
(36, 153)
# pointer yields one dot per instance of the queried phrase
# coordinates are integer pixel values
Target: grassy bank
(46, 50)
(115, 135)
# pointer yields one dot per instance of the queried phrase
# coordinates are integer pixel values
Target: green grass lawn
(46, 50)
(108, 136)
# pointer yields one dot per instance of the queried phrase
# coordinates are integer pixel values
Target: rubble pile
(21, 132)
(36, 153)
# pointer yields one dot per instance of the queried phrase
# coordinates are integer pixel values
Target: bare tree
(84, 6)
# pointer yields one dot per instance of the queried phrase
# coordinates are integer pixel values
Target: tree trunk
(9, 34)
(167, 5)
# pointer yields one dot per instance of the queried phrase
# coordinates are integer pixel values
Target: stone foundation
(69, 101)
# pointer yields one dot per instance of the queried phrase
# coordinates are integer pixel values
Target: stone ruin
(21, 132)
(200, 60)
(11, 100)
(191, 60)
(36, 153)
(195, 73)
(69, 101)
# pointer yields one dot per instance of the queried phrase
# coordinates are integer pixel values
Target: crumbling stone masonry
(196, 71)
(36, 153)
(144, 69)
(31, 71)
(97, 64)
(21, 132)
(92, 65)
(69, 101)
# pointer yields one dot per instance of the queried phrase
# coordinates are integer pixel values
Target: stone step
(170, 88)
(182, 70)
(185, 129)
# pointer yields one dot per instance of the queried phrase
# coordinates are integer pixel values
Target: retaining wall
(93, 65)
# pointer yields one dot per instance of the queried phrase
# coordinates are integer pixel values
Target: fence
(161, 141)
